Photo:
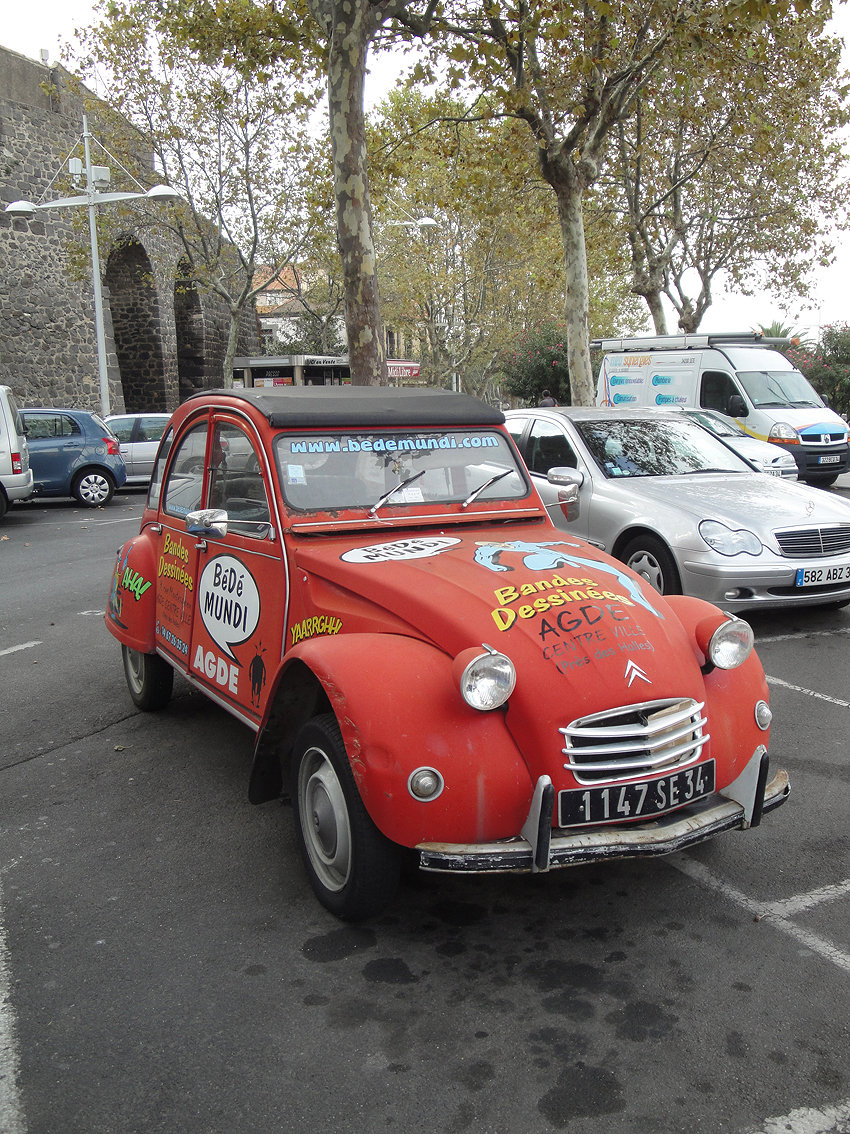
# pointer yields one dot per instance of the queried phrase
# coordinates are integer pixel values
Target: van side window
(716, 388)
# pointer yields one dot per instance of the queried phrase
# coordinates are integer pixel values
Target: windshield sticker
(540, 557)
(295, 474)
(397, 444)
(229, 602)
(400, 549)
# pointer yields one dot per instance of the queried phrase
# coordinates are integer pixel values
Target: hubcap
(94, 489)
(324, 820)
(647, 566)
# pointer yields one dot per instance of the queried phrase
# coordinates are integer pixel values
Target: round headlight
(486, 678)
(784, 434)
(730, 645)
(729, 542)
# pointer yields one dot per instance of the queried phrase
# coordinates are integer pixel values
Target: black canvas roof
(334, 407)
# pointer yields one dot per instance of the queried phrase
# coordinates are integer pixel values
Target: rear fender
(400, 709)
(131, 609)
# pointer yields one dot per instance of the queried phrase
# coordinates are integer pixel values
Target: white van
(738, 376)
(15, 471)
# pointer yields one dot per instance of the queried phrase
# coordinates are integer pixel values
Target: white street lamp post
(97, 177)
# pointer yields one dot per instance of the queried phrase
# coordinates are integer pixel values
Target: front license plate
(822, 576)
(635, 801)
(832, 459)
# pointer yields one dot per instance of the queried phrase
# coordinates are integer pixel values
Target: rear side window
(122, 427)
(68, 427)
(152, 428)
(17, 420)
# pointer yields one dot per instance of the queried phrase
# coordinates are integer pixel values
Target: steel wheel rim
(135, 669)
(648, 567)
(324, 820)
(94, 488)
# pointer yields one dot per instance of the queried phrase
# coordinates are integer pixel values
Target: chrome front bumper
(684, 828)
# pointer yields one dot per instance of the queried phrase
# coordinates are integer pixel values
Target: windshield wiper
(388, 495)
(692, 472)
(477, 491)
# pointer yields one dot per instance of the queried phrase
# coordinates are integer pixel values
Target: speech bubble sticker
(229, 602)
(422, 548)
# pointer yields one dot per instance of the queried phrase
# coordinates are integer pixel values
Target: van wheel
(353, 869)
(93, 487)
(4, 504)
(649, 558)
(822, 481)
(149, 678)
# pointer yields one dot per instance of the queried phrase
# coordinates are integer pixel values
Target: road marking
(809, 692)
(11, 1114)
(808, 1120)
(14, 649)
(89, 612)
(778, 913)
(799, 637)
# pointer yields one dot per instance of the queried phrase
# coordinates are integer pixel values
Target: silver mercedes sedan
(683, 510)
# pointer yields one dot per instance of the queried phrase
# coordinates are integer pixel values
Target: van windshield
(778, 388)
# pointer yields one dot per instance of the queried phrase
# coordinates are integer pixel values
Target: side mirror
(824, 399)
(737, 407)
(207, 523)
(569, 483)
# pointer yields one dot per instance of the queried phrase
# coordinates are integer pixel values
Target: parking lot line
(22, 646)
(807, 634)
(809, 692)
(809, 1120)
(778, 913)
(11, 1114)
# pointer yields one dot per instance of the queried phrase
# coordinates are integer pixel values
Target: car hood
(754, 501)
(584, 633)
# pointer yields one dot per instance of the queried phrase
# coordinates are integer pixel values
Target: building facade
(164, 338)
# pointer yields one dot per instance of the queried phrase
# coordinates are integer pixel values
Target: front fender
(730, 696)
(399, 709)
(131, 609)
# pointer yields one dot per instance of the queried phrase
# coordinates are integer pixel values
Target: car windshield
(778, 388)
(332, 471)
(717, 425)
(624, 448)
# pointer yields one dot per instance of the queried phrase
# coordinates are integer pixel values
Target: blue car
(73, 453)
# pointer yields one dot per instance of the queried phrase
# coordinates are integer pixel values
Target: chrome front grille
(799, 543)
(635, 740)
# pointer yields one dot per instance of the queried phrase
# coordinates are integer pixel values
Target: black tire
(822, 481)
(353, 869)
(149, 678)
(92, 488)
(4, 504)
(648, 557)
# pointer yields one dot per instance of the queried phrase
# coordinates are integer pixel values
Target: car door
(124, 428)
(241, 593)
(547, 446)
(181, 492)
(55, 442)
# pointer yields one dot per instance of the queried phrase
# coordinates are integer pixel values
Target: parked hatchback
(73, 453)
(139, 434)
(15, 472)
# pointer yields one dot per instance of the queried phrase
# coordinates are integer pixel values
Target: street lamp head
(21, 209)
(428, 222)
(163, 193)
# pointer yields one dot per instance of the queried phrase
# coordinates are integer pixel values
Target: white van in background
(15, 471)
(737, 375)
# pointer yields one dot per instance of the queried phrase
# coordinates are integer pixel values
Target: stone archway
(189, 324)
(137, 327)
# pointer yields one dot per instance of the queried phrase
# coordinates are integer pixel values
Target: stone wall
(164, 339)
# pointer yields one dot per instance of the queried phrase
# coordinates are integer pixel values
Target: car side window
(122, 427)
(41, 426)
(236, 481)
(151, 429)
(716, 388)
(185, 484)
(516, 427)
(548, 448)
(68, 427)
(158, 469)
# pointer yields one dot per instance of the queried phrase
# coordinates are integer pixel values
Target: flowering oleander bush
(537, 361)
(827, 365)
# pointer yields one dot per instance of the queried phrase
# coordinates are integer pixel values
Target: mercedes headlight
(728, 542)
(486, 677)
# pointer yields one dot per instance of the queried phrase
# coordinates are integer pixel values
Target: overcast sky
(29, 27)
